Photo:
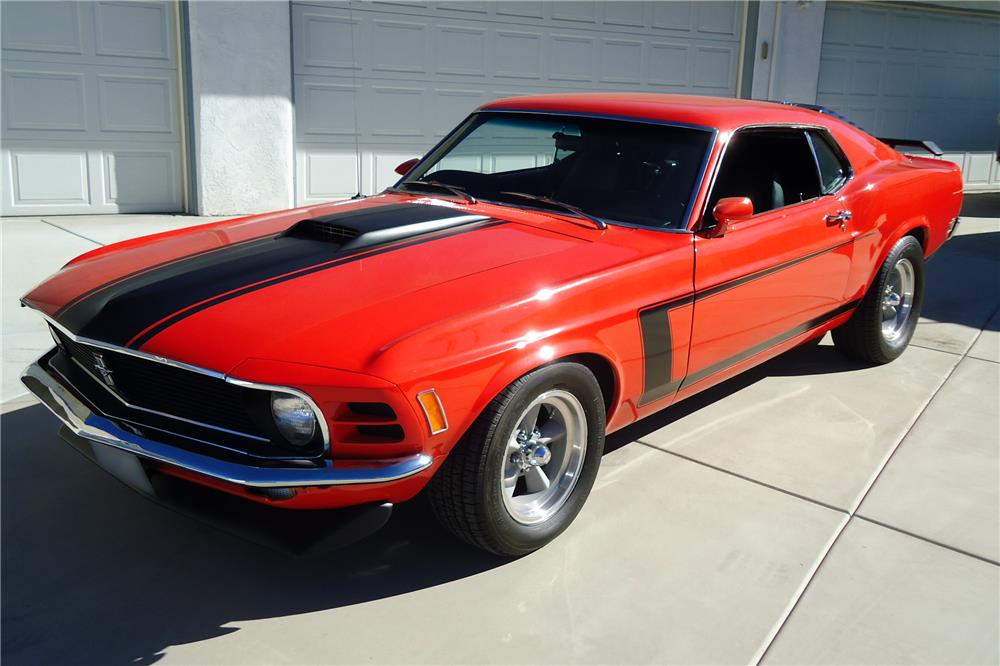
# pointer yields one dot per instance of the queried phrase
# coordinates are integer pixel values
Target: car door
(778, 273)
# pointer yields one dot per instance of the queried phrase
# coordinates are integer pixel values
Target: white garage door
(90, 108)
(912, 73)
(377, 83)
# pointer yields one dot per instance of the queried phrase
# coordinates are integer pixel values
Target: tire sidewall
(906, 248)
(578, 380)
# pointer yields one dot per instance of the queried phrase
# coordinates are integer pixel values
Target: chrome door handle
(841, 217)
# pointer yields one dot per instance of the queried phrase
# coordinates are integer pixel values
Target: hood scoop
(322, 229)
(367, 227)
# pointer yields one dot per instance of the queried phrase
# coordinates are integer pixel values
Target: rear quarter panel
(897, 197)
(892, 195)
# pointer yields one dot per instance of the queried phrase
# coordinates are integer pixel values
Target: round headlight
(294, 417)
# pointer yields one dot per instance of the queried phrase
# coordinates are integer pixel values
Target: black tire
(465, 493)
(861, 336)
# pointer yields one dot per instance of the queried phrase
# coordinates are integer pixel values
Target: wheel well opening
(921, 235)
(603, 371)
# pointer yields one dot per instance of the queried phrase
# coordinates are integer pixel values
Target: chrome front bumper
(82, 421)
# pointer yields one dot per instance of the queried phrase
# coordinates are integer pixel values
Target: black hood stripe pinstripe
(130, 310)
(90, 292)
(143, 337)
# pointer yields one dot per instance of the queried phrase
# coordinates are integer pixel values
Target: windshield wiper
(599, 223)
(438, 185)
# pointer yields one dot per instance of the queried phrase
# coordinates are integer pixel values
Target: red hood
(332, 313)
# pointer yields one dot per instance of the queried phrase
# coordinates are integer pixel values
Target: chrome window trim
(698, 221)
(320, 416)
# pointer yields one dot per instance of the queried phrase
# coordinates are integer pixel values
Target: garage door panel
(720, 18)
(460, 50)
(137, 104)
(899, 71)
(43, 100)
(54, 101)
(517, 55)
(91, 119)
(42, 27)
(669, 64)
(133, 30)
(672, 16)
(140, 177)
(327, 173)
(327, 108)
(626, 14)
(714, 69)
(71, 177)
(42, 176)
(377, 83)
(711, 20)
(450, 49)
(571, 58)
(621, 61)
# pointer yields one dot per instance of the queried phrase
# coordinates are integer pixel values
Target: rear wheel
(882, 326)
(524, 470)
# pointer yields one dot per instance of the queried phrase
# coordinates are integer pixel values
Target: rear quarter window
(834, 169)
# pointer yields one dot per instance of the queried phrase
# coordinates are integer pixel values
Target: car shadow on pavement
(963, 283)
(984, 204)
(93, 573)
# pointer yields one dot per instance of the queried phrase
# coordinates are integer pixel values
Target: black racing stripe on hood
(161, 326)
(127, 312)
(90, 292)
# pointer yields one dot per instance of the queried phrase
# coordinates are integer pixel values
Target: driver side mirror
(727, 212)
(406, 166)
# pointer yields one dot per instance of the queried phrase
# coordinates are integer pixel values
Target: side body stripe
(657, 343)
(657, 350)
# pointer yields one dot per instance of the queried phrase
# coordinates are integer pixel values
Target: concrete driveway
(810, 511)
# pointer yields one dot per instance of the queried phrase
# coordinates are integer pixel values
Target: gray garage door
(377, 83)
(919, 73)
(90, 108)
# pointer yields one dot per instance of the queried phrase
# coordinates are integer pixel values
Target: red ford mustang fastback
(556, 268)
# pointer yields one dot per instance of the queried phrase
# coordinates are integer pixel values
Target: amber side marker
(433, 410)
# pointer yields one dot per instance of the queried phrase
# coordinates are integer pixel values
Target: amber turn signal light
(433, 410)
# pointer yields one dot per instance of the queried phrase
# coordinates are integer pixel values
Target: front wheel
(524, 470)
(881, 327)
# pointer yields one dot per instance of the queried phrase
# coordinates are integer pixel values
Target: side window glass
(833, 169)
(773, 167)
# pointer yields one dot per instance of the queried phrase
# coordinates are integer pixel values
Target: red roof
(724, 113)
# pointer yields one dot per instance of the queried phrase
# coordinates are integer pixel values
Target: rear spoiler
(929, 146)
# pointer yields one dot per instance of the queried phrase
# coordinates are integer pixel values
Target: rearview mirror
(407, 166)
(728, 211)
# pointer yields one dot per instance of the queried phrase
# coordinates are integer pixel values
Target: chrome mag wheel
(897, 300)
(544, 456)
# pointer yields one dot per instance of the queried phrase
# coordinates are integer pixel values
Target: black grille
(324, 231)
(167, 389)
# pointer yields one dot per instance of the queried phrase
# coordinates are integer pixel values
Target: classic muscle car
(558, 267)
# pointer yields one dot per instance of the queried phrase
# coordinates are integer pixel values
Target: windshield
(616, 170)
